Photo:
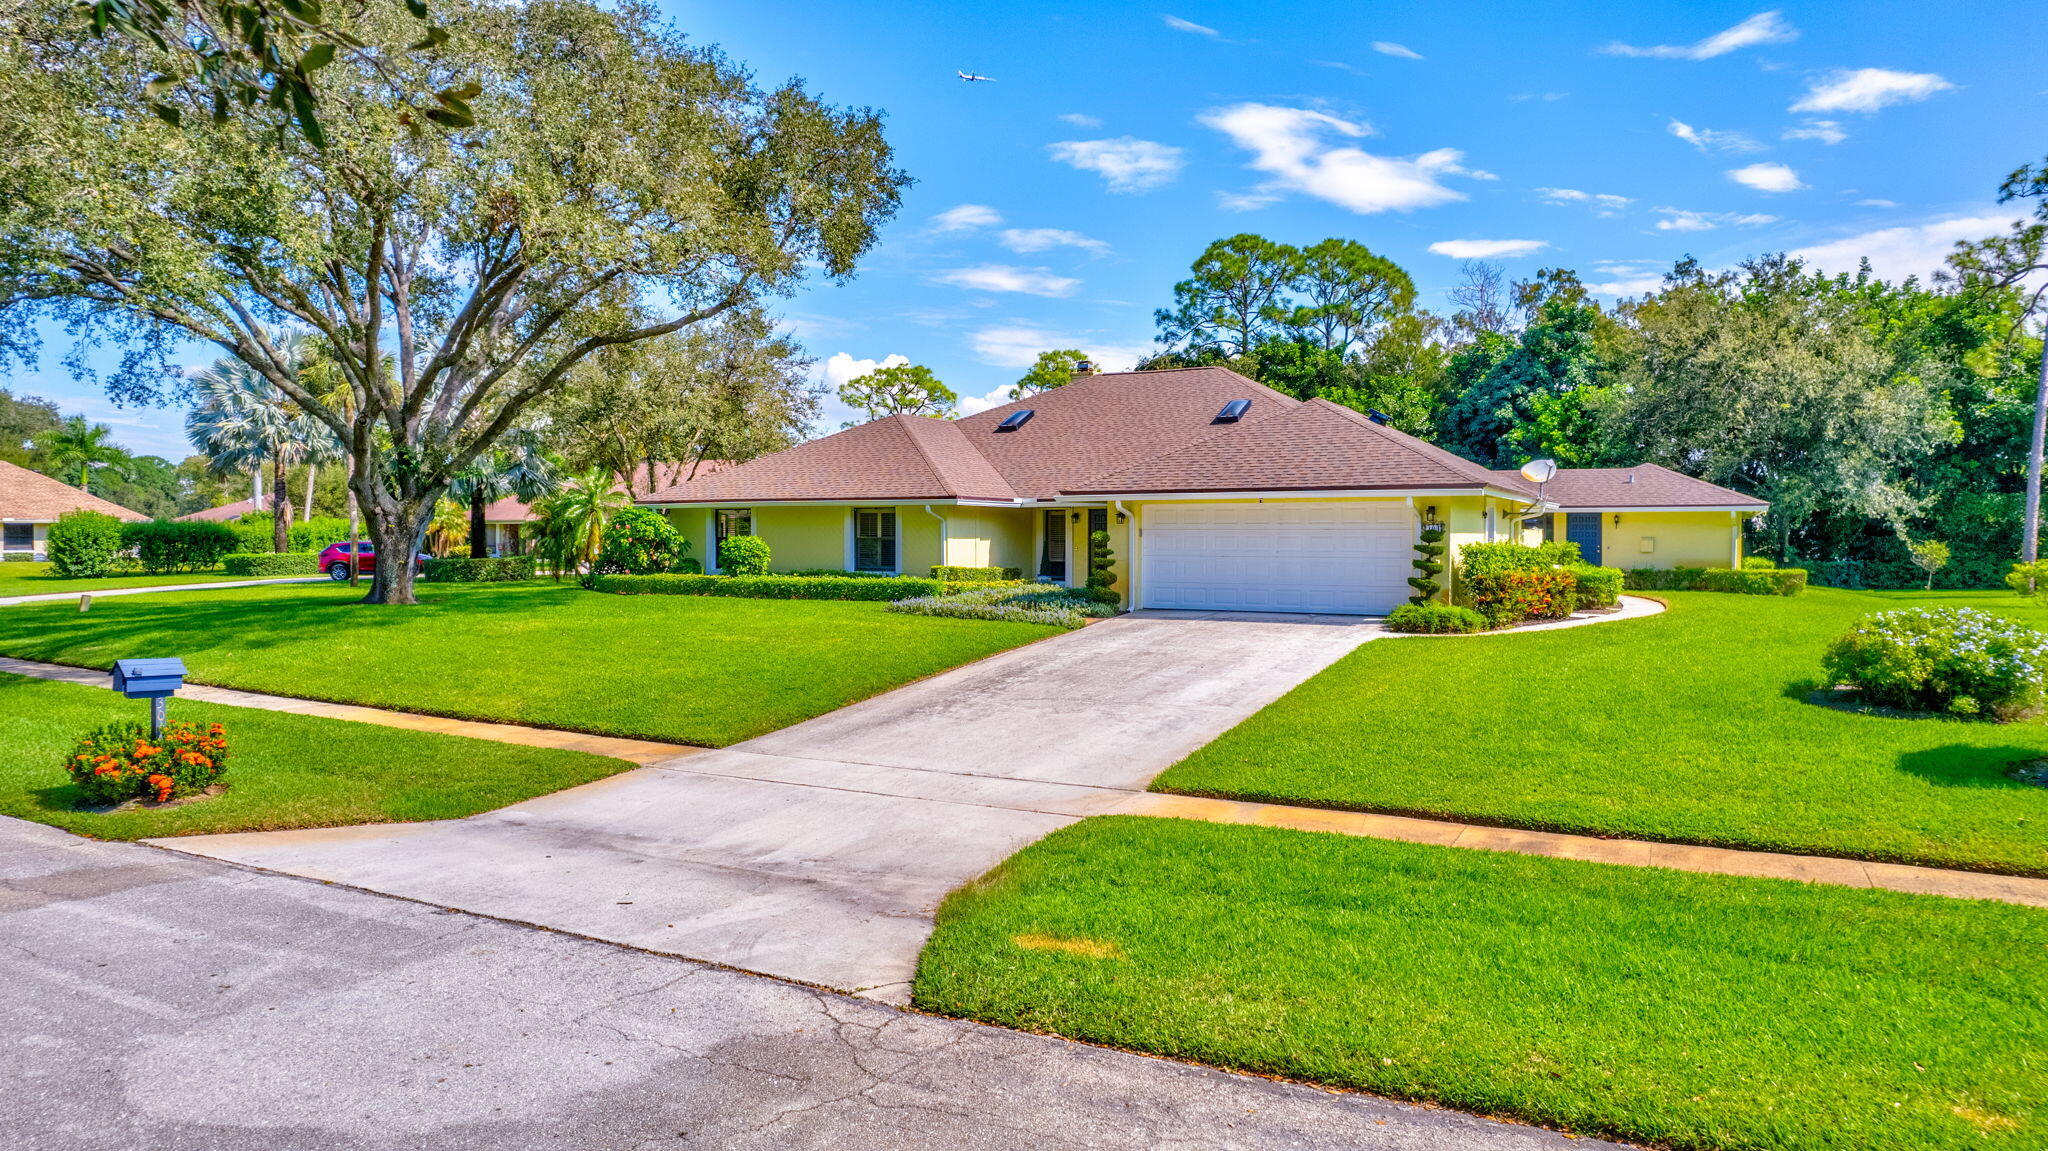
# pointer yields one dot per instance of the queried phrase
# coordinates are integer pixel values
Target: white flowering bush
(1058, 606)
(1962, 661)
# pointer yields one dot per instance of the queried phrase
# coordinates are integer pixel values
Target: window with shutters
(1052, 563)
(874, 539)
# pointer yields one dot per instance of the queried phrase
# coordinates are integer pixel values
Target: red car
(334, 561)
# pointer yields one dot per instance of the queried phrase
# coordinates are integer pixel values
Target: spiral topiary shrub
(1429, 564)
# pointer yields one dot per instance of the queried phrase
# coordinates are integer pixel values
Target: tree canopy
(898, 389)
(619, 184)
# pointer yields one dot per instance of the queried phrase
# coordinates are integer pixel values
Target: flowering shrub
(121, 761)
(1959, 660)
(1058, 606)
(1509, 597)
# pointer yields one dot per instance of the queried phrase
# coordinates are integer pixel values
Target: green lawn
(688, 669)
(284, 770)
(1693, 726)
(1689, 1011)
(36, 579)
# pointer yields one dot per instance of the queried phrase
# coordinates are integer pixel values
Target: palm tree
(518, 467)
(449, 524)
(242, 420)
(569, 525)
(77, 444)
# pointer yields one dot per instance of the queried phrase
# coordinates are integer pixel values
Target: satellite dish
(1539, 471)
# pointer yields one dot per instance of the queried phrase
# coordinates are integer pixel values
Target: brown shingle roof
(1314, 446)
(221, 514)
(1642, 486)
(894, 458)
(1098, 424)
(36, 498)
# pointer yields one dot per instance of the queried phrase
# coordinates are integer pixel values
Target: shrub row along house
(1214, 492)
(30, 502)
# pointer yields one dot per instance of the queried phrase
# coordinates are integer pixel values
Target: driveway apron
(819, 852)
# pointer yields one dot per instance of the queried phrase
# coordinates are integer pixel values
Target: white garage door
(1351, 558)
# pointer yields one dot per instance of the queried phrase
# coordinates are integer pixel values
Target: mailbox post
(155, 680)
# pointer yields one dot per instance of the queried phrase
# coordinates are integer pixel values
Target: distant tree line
(1873, 415)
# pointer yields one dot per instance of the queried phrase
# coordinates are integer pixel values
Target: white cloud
(1868, 89)
(1629, 284)
(1127, 163)
(1041, 239)
(1895, 253)
(1877, 203)
(1005, 278)
(1291, 145)
(1018, 345)
(1708, 139)
(966, 218)
(1681, 220)
(1762, 28)
(842, 367)
(1603, 203)
(1180, 25)
(1825, 131)
(1767, 178)
(1486, 249)
(975, 405)
(1389, 48)
(1080, 119)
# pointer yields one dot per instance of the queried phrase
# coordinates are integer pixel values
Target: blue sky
(1056, 206)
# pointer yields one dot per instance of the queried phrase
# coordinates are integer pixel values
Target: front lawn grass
(685, 669)
(38, 579)
(1693, 726)
(284, 770)
(1681, 1010)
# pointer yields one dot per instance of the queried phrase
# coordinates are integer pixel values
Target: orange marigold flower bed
(121, 762)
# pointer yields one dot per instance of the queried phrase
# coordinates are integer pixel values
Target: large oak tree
(619, 184)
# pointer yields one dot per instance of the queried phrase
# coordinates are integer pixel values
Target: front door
(1583, 529)
(1052, 562)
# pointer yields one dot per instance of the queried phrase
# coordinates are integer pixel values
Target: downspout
(943, 540)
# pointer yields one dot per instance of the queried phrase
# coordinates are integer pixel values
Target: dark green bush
(1101, 561)
(640, 541)
(1597, 586)
(1755, 581)
(980, 575)
(1664, 579)
(493, 569)
(743, 556)
(1429, 555)
(173, 546)
(1435, 619)
(772, 586)
(315, 534)
(84, 544)
(253, 529)
(265, 565)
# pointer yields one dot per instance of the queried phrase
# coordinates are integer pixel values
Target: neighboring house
(30, 502)
(1215, 491)
(505, 520)
(224, 513)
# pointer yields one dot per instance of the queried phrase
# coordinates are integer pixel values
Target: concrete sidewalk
(48, 597)
(819, 852)
(155, 1001)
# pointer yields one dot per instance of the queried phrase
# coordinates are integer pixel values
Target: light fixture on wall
(1617, 519)
(1429, 513)
(1077, 517)
(1121, 517)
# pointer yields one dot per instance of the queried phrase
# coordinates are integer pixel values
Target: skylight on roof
(1016, 419)
(1233, 412)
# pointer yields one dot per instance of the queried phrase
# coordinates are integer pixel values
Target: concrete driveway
(176, 1004)
(819, 852)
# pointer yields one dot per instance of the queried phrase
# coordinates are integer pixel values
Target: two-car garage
(1351, 557)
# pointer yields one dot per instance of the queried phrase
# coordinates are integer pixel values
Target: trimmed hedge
(83, 544)
(260, 565)
(976, 575)
(315, 534)
(770, 586)
(464, 569)
(1737, 581)
(1435, 619)
(1597, 586)
(162, 546)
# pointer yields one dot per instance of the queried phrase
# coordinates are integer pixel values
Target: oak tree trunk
(280, 507)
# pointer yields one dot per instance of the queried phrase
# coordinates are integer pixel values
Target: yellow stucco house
(1217, 493)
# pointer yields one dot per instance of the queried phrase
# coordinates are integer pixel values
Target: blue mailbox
(148, 678)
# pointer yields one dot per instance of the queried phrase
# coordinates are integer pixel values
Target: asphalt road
(151, 1000)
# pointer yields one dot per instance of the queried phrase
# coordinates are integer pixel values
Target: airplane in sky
(971, 77)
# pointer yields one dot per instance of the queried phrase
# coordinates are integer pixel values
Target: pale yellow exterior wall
(1670, 539)
(802, 537)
